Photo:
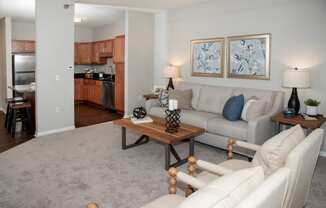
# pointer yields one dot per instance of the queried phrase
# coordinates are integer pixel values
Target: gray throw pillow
(164, 98)
(184, 98)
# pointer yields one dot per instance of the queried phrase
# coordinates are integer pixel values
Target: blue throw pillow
(233, 108)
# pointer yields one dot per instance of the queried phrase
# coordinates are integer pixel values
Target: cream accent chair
(270, 194)
(301, 162)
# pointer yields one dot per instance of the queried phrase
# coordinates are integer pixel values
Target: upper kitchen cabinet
(23, 46)
(107, 48)
(119, 49)
(84, 53)
(98, 48)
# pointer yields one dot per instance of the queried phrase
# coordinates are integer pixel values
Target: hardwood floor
(87, 114)
(6, 141)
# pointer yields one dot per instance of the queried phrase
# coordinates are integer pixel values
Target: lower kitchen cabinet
(79, 89)
(89, 90)
(119, 87)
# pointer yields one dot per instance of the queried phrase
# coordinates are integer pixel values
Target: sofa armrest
(216, 169)
(183, 177)
(246, 145)
(260, 129)
(190, 180)
(151, 103)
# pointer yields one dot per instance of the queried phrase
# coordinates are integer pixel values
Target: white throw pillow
(253, 109)
(226, 191)
(274, 152)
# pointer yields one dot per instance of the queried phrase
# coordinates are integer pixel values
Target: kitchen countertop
(95, 77)
(23, 88)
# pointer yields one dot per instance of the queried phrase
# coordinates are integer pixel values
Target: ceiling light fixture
(78, 19)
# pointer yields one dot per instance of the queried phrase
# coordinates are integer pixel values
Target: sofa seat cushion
(235, 129)
(157, 111)
(166, 201)
(233, 164)
(226, 191)
(197, 118)
(192, 117)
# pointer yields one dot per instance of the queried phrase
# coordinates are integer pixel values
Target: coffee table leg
(167, 156)
(142, 140)
(124, 142)
(191, 147)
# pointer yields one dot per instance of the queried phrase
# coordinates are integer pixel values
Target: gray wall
(139, 57)
(5, 61)
(298, 36)
(54, 53)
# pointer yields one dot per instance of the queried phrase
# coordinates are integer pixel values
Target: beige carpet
(77, 167)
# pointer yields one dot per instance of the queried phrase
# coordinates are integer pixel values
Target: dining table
(28, 93)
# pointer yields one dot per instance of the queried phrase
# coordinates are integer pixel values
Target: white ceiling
(147, 4)
(92, 15)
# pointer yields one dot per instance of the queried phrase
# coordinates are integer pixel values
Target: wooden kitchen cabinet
(98, 92)
(23, 46)
(93, 52)
(98, 47)
(119, 88)
(119, 49)
(76, 54)
(107, 50)
(79, 89)
(92, 91)
(84, 53)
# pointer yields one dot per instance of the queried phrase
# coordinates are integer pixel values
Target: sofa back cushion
(227, 191)
(184, 98)
(196, 88)
(212, 98)
(264, 95)
(274, 152)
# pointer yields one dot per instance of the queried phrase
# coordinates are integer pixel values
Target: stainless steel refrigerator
(23, 69)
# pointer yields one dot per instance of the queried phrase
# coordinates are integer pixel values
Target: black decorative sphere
(139, 112)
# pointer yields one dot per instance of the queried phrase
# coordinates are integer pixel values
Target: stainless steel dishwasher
(108, 99)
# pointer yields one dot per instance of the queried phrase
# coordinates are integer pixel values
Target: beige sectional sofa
(207, 107)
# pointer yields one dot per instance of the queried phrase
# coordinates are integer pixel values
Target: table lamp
(295, 79)
(170, 72)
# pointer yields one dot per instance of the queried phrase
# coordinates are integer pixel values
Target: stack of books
(147, 119)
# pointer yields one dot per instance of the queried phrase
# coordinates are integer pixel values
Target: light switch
(57, 77)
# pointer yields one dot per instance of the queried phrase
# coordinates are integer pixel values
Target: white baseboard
(69, 128)
(322, 153)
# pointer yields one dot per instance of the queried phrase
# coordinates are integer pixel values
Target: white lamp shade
(171, 72)
(296, 79)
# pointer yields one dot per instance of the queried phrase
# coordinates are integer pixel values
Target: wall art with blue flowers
(207, 57)
(249, 57)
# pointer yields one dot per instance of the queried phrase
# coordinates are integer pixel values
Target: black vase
(294, 102)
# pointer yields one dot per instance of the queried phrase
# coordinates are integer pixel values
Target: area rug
(86, 165)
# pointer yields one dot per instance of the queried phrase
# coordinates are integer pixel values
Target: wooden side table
(150, 96)
(310, 125)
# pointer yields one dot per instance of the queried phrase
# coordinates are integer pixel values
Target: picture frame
(207, 57)
(249, 56)
(158, 88)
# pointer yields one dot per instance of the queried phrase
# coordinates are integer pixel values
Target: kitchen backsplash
(108, 68)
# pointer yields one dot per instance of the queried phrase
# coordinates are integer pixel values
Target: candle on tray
(171, 105)
(175, 104)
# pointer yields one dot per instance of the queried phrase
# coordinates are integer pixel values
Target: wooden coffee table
(156, 131)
